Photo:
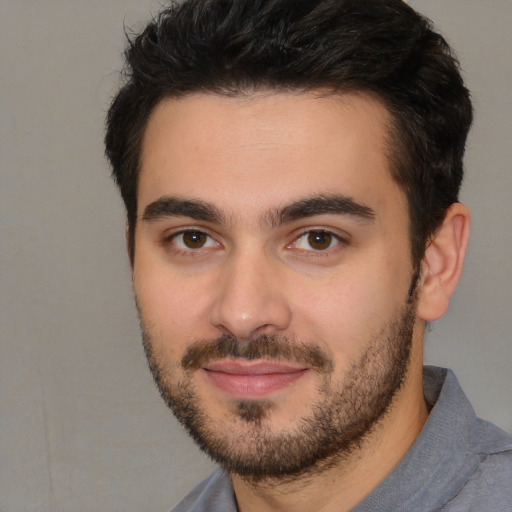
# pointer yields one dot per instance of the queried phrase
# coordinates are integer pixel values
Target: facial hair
(337, 423)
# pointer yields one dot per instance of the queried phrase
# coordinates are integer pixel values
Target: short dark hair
(233, 47)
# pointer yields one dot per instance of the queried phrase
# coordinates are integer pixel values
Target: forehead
(266, 149)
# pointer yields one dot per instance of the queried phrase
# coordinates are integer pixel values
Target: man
(291, 172)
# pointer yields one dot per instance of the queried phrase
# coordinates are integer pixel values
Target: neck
(354, 476)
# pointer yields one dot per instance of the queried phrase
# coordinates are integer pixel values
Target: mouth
(246, 379)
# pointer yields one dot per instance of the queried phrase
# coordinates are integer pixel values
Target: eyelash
(169, 242)
(335, 239)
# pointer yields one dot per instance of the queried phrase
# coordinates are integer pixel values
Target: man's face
(273, 274)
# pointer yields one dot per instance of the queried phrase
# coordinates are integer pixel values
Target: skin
(251, 157)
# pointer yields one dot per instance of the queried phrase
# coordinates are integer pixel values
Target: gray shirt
(458, 463)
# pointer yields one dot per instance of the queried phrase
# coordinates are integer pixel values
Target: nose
(250, 298)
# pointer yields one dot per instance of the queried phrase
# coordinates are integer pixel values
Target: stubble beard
(339, 421)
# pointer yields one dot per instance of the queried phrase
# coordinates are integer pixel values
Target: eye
(317, 240)
(192, 239)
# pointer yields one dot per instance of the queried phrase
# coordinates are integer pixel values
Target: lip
(252, 379)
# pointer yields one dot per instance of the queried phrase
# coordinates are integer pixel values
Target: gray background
(81, 426)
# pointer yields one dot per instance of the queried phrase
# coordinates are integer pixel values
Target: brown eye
(194, 239)
(317, 240)
(320, 240)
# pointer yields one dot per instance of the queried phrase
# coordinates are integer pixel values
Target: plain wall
(82, 427)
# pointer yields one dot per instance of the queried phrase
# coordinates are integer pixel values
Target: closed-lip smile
(247, 379)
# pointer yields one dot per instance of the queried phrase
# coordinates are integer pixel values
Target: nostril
(247, 300)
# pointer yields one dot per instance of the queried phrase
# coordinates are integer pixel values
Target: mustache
(262, 347)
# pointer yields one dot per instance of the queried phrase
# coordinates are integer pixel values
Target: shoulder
(214, 494)
(489, 488)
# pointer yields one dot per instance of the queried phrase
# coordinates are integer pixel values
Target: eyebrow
(332, 204)
(168, 206)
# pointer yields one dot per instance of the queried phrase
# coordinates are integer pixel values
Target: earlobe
(442, 264)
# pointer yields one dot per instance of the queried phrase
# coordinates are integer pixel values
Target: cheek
(173, 308)
(346, 310)
(340, 317)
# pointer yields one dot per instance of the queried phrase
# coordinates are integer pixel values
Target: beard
(342, 417)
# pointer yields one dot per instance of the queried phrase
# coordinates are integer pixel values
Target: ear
(441, 266)
(128, 245)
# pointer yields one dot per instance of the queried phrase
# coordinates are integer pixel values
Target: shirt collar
(441, 459)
